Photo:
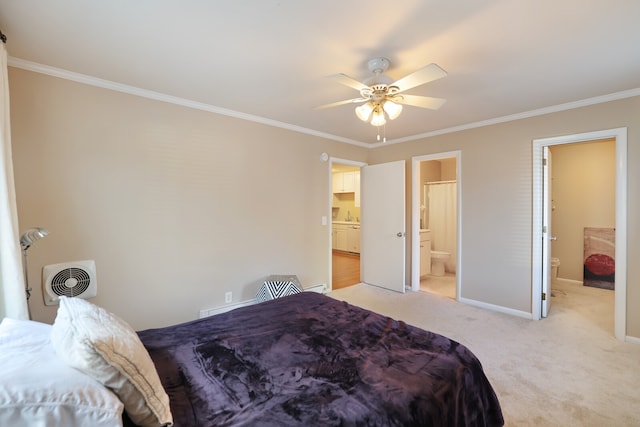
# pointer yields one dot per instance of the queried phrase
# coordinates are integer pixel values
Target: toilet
(438, 259)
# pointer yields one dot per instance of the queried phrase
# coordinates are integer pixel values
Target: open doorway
(436, 224)
(562, 247)
(345, 223)
(582, 210)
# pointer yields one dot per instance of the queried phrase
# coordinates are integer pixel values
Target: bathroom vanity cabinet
(425, 252)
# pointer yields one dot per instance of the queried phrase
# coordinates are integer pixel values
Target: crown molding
(533, 113)
(132, 90)
(158, 96)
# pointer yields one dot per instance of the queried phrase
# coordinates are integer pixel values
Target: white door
(382, 230)
(546, 231)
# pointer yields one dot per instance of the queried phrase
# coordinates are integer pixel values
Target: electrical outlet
(228, 297)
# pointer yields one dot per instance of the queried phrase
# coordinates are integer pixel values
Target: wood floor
(346, 269)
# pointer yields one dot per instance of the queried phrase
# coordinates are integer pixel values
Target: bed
(305, 359)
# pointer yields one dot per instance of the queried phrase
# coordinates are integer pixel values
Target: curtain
(442, 220)
(13, 301)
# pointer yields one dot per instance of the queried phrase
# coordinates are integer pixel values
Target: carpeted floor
(565, 370)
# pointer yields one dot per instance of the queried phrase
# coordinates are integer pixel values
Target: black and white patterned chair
(278, 286)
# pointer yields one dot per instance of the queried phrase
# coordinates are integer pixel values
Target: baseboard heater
(320, 288)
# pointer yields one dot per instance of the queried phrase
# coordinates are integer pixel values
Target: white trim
(620, 304)
(415, 216)
(524, 115)
(157, 96)
(319, 288)
(632, 340)
(570, 282)
(223, 309)
(132, 90)
(498, 308)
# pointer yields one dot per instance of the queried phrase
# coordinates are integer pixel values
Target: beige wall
(176, 206)
(345, 204)
(583, 191)
(496, 208)
(448, 169)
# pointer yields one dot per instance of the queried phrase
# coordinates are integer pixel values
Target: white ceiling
(267, 60)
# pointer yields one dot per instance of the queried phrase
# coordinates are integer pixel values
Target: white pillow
(39, 389)
(106, 348)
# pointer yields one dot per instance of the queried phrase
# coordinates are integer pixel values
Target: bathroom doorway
(436, 222)
(613, 136)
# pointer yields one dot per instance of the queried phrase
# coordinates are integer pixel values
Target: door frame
(415, 216)
(346, 162)
(547, 226)
(620, 304)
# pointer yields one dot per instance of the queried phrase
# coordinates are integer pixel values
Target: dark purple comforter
(308, 359)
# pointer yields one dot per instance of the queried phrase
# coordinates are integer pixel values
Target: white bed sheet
(38, 389)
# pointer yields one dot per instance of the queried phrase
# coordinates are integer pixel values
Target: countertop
(346, 222)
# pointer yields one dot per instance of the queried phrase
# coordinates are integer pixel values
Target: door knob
(400, 234)
(553, 238)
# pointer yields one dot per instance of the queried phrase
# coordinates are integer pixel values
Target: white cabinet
(347, 182)
(353, 238)
(345, 237)
(339, 240)
(425, 252)
(356, 179)
(344, 182)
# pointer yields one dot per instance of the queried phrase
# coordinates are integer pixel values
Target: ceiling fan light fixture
(382, 97)
(364, 111)
(377, 117)
(392, 109)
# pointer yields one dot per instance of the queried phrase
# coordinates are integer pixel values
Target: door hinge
(544, 296)
(544, 229)
(544, 162)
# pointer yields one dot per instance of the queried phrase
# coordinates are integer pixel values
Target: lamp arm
(27, 289)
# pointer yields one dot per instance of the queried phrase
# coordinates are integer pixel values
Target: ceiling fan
(382, 97)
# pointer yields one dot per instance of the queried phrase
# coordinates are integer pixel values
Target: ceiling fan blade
(348, 81)
(420, 101)
(346, 101)
(419, 77)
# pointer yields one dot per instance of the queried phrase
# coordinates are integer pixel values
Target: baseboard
(498, 308)
(224, 308)
(633, 340)
(320, 288)
(567, 281)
